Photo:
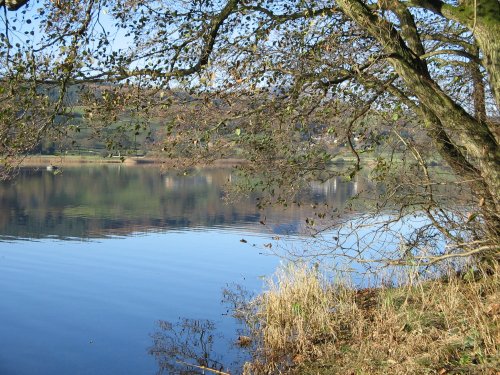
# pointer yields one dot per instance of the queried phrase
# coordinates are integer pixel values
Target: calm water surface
(93, 259)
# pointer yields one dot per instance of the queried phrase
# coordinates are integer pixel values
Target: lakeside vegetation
(305, 324)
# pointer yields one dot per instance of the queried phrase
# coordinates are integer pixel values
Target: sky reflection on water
(89, 307)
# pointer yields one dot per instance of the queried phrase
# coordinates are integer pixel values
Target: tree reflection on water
(188, 347)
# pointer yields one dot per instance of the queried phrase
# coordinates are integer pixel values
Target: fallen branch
(204, 368)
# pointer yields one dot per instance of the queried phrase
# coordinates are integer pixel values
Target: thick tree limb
(455, 52)
(474, 135)
(309, 13)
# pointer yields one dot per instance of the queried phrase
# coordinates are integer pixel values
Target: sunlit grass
(305, 325)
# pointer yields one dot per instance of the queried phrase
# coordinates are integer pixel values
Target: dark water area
(119, 270)
(92, 202)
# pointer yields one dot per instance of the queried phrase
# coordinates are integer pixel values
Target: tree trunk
(478, 89)
(488, 39)
(482, 18)
(474, 135)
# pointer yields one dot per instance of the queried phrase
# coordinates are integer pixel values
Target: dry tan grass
(303, 325)
(293, 319)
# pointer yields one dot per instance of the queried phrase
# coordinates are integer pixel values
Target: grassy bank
(305, 325)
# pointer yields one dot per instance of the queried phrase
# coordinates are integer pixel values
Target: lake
(101, 267)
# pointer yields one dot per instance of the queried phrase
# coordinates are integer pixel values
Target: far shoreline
(38, 161)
